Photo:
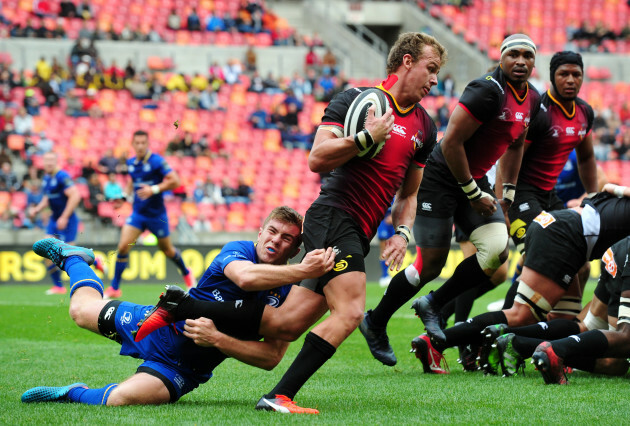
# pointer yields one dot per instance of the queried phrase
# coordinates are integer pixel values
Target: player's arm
(38, 208)
(618, 190)
(74, 198)
(461, 126)
(587, 167)
(251, 276)
(331, 149)
(403, 216)
(264, 354)
(509, 166)
(170, 181)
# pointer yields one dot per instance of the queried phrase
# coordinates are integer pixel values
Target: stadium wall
(147, 264)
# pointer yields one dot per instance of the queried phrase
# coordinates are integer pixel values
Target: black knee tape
(107, 321)
(171, 389)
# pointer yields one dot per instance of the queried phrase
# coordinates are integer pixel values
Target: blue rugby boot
(50, 393)
(58, 251)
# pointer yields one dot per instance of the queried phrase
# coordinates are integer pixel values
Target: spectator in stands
(8, 179)
(291, 98)
(174, 22)
(74, 169)
(624, 114)
(112, 190)
(329, 63)
(250, 59)
(244, 191)
(30, 102)
(214, 23)
(108, 163)
(199, 81)
(6, 220)
(96, 195)
(259, 119)
(29, 31)
(4, 137)
(217, 148)
(232, 71)
(216, 72)
(228, 21)
(622, 146)
(209, 100)
(85, 32)
(300, 86)
(271, 85)
(311, 60)
(90, 104)
(193, 98)
(130, 70)
(74, 106)
(67, 9)
(156, 88)
(153, 36)
(256, 83)
(228, 192)
(177, 82)
(326, 84)
(85, 10)
(193, 23)
(45, 144)
(23, 122)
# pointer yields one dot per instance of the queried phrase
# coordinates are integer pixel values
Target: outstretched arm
(260, 276)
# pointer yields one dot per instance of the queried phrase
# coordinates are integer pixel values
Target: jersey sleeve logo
(417, 139)
(609, 261)
(544, 219)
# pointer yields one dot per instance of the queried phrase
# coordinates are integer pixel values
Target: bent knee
(519, 315)
(123, 397)
(79, 315)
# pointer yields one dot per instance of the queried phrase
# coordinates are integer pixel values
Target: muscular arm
(587, 167)
(264, 354)
(43, 203)
(511, 160)
(331, 151)
(170, 181)
(461, 126)
(259, 276)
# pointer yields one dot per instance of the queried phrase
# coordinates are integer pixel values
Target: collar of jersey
(400, 110)
(518, 98)
(146, 157)
(566, 113)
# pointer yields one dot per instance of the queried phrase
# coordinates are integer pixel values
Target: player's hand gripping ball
(356, 117)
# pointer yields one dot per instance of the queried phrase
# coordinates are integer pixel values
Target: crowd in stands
(195, 23)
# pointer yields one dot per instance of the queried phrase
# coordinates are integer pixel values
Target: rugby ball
(357, 115)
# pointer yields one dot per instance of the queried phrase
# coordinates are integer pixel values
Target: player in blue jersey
(384, 232)
(62, 196)
(569, 186)
(150, 176)
(177, 359)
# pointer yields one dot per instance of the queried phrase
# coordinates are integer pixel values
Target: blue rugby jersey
(149, 170)
(54, 187)
(216, 287)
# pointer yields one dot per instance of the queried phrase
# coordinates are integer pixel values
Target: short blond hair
(413, 44)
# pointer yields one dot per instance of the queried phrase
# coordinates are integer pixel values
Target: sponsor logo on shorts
(427, 207)
(160, 233)
(543, 325)
(518, 228)
(399, 130)
(238, 303)
(109, 313)
(179, 381)
(566, 279)
(273, 301)
(576, 338)
(126, 318)
(342, 264)
(217, 295)
(336, 250)
(544, 219)
(523, 207)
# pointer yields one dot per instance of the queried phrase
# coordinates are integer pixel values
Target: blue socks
(55, 274)
(177, 259)
(121, 264)
(81, 275)
(91, 396)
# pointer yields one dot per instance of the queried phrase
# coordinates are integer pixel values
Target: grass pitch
(39, 345)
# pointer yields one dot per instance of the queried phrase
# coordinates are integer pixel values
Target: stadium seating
(485, 22)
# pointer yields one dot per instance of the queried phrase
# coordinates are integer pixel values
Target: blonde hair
(413, 44)
(286, 215)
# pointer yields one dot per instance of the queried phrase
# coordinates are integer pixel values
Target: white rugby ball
(357, 115)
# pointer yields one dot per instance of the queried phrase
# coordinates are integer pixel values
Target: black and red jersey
(552, 135)
(503, 115)
(365, 188)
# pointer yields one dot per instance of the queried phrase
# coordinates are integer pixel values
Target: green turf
(39, 345)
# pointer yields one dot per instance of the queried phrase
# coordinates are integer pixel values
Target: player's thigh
(140, 389)
(301, 309)
(128, 236)
(468, 248)
(345, 294)
(86, 305)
